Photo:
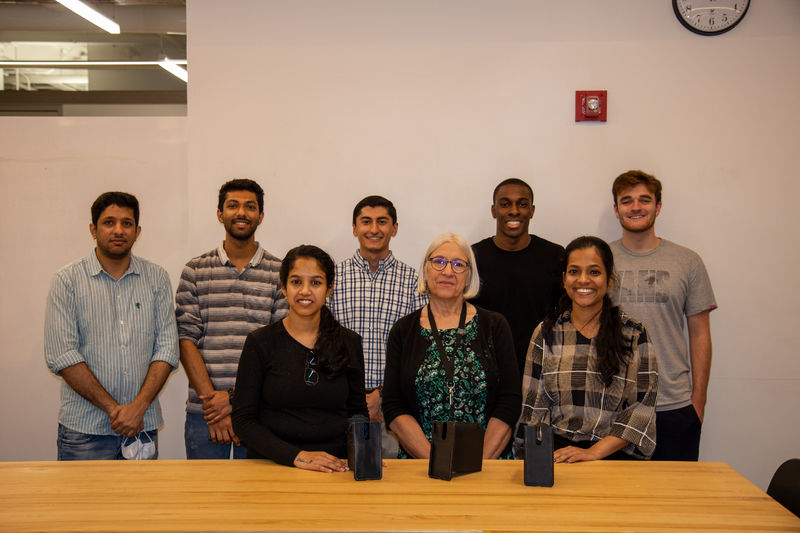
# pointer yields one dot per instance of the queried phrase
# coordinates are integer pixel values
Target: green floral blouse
(469, 383)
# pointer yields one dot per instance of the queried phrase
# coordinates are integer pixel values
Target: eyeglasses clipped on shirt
(310, 373)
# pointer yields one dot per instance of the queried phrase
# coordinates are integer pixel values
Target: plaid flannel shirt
(370, 304)
(564, 380)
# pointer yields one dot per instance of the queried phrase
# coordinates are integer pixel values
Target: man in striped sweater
(222, 296)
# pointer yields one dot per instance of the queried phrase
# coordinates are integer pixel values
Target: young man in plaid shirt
(373, 289)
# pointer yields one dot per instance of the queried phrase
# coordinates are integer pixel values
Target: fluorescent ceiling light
(59, 64)
(173, 68)
(79, 8)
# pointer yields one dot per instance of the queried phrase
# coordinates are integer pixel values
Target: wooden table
(262, 496)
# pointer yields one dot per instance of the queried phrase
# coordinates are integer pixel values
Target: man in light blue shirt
(110, 334)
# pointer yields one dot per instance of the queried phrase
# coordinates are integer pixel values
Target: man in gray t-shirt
(665, 286)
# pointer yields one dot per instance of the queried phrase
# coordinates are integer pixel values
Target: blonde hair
(473, 281)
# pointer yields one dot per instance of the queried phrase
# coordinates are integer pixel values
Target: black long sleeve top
(277, 415)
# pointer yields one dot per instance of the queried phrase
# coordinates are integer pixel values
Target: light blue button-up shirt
(117, 327)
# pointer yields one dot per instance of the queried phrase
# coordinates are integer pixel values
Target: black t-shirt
(523, 286)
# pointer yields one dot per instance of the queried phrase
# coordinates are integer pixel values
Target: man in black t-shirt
(520, 273)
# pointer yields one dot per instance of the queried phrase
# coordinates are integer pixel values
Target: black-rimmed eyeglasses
(440, 263)
(310, 374)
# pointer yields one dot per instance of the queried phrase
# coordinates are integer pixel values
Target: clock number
(711, 17)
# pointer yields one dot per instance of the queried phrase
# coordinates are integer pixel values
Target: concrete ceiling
(45, 30)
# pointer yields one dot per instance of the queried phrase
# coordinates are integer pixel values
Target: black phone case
(456, 448)
(364, 448)
(539, 455)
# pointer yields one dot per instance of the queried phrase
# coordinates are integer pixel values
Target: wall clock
(710, 17)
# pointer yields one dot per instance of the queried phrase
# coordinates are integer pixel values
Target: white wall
(431, 104)
(51, 170)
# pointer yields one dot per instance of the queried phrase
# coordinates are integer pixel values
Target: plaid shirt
(370, 304)
(564, 380)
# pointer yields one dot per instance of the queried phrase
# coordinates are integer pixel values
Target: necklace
(448, 362)
(580, 329)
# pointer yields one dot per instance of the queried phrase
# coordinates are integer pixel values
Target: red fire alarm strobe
(591, 105)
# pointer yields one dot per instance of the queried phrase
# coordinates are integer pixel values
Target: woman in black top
(300, 379)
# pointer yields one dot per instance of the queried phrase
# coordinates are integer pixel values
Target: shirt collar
(254, 261)
(95, 268)
(386, 262)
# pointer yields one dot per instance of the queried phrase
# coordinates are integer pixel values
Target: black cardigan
(494, 347)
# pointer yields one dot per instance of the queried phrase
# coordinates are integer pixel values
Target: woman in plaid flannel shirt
(591, 368)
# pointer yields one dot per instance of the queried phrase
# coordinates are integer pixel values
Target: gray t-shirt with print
(660, 288)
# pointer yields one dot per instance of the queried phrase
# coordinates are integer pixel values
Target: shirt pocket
(140, 313)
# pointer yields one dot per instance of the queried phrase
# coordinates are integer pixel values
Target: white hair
(473, 281)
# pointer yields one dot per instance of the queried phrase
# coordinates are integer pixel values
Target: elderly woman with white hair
(450, 360)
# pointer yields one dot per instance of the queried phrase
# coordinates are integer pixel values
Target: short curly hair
(632, 178)
(241, 184)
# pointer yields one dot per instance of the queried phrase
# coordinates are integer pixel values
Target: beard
(115, 252)
(240, 234)
(647, 226)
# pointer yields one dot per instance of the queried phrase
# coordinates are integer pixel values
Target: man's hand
(222, 432)
(700, 356)
(216, 406)
(126, 420)
(374, 405)
(699, 405)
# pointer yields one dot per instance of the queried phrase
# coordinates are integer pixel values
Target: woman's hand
(411, 436)
(320, 461)
(599, 450)
(495, 439)
(573, 454)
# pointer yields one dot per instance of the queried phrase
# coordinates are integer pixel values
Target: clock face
(710, 17)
